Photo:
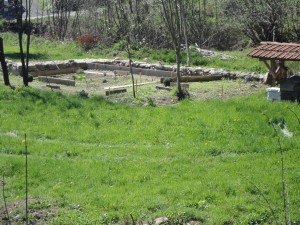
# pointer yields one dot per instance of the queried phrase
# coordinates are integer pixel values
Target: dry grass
(199, 91)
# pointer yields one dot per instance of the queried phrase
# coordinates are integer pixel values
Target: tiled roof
(277, 51)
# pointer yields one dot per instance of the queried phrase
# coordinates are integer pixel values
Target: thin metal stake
(26, 156)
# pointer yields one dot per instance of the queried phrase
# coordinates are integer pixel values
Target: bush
(167, 81)
(180, 95)
(120, 46)
(200, 61)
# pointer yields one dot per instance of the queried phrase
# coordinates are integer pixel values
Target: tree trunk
(184, 25)
(178, 61)
(22, 55)
(3, 64)
(130, 64)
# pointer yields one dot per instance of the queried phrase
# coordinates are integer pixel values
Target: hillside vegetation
(94, 162)
(223, 25)
(43, 49)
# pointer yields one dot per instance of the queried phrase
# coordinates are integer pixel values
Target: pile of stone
(51, 68)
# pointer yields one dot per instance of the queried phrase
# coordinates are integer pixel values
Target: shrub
(120, 46)
(167, 81)
(88, 41)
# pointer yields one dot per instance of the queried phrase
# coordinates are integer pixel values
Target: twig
(4, 199)
(283, 183)
(265, 198)
(133, 222)
(294, 114)
(284, 195)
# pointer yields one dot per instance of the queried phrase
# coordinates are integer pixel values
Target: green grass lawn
(95, 162)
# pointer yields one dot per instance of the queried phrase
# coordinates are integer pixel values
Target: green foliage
(167, 81)
(80, 75)
(150, 102)
(120, 46)
(3, 23)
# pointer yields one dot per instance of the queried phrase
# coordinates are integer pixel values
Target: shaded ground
(148, 94)
(39, 212)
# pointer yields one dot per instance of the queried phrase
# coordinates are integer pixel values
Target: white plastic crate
(273, 94)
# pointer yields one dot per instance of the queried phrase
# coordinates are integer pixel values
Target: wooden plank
(53, 86)
(115, 91)
(121, 72)
(129, 85)
(53, 80)
(53, 72)
(163, 88)
(94, 73)
(195, 78)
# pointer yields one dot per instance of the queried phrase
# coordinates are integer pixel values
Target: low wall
(51, 68)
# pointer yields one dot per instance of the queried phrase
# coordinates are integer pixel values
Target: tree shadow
(16, 56)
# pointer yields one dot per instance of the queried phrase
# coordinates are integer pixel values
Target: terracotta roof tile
(277, 51)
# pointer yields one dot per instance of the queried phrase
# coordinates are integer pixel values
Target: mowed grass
(99, 162)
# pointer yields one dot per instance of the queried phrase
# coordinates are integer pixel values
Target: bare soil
(39, 212)
(95, 84)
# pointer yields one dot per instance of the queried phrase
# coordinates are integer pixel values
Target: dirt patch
(39, 212)
(147, 94)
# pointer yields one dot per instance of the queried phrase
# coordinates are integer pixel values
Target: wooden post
(136, 84)
(271, 77)
(140, 77)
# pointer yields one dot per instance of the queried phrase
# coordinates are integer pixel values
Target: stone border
(50, 68)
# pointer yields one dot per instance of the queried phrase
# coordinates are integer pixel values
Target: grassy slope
(100, 162)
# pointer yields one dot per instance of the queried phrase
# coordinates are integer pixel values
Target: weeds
(7, 219)
(184, 161)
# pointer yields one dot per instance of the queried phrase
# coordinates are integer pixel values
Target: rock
(36, 215)
(193, 222)
(161, 220)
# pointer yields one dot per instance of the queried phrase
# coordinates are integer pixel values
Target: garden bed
(97, 82)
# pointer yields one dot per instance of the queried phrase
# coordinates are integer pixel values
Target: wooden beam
(163, 88)
(266, 63)
(129, 85)
(195, 78)
(115, 91)
(52, 80)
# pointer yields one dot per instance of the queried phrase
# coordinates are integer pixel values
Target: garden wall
(51, 68)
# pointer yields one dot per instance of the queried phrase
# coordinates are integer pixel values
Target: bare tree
(24, 27)
(60, 12)
(293, 20)
(125, 23)
(185, 33)
(173, 20)
(259, 20)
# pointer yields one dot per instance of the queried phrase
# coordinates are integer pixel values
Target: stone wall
(51, 68)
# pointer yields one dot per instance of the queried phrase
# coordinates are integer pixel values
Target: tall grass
(100, 162)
